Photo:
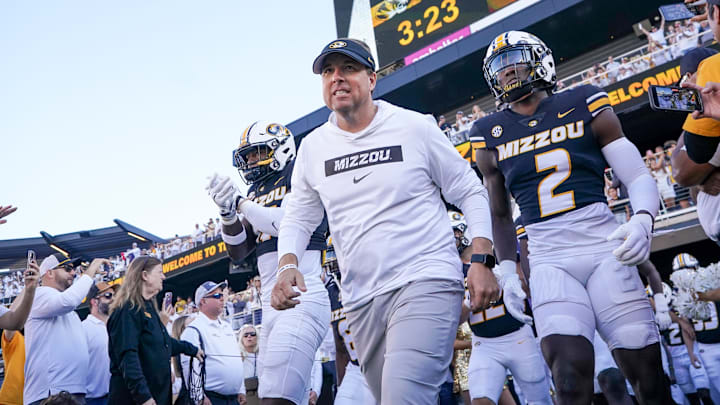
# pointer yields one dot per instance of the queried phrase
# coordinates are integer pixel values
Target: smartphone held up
(670, 98)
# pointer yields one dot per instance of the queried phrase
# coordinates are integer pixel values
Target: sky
(122, 109)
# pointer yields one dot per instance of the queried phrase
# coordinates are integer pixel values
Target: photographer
(56, 349)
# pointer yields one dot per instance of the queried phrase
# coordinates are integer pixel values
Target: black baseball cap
(353, 48)
(691, 60)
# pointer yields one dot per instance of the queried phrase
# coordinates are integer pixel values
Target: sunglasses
(216, 296)
(107, 295)
(248, 334)
(68, 268)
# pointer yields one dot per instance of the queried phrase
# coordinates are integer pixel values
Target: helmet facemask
(254, 162)
(527, 62)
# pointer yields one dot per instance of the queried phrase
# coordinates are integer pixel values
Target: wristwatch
(488, 260)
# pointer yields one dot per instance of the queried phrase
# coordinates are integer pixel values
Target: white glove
(225, 195)
(662, 312)
(513, 294)
(637, 234)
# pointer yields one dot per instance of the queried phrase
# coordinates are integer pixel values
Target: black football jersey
(709, 331)
(338, 321)
(551, 161)
(270, 193)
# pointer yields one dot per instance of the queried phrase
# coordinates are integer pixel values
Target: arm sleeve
(460, 185)
(628, 166)
(700, 149)
(316, 377)
(182, 347)
(124, 331)
(52, 304)
(263, 219)
(303, 211)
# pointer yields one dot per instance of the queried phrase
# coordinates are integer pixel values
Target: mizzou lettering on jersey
(551, 161)
(709, 331)
(275, 195)
(371, 157)
(540, 140)
(338, 320)
(270, 193)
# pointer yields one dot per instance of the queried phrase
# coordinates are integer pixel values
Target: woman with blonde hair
(248, 342)
(140, 347)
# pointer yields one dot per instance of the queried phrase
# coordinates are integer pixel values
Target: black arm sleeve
(700, 148)
(182, 347)
(124, 331)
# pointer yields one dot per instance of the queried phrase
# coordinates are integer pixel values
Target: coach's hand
(283, 294)
(637, 235)
(513, 293)
(483, 287)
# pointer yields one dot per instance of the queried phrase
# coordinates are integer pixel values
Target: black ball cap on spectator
(350, 47)
(690, 62)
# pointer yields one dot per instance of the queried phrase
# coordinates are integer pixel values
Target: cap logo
(337, 44)
(370, 60)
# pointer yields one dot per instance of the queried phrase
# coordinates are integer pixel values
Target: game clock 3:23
(423, 23)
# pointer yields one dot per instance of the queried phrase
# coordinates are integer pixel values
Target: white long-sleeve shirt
(381, 190)
(56, 351)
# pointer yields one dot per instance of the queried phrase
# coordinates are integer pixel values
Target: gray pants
(404, 340)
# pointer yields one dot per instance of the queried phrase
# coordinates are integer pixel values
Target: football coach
(378, 170)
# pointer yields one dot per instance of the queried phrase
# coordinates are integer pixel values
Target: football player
(550, 150)
(689, 373)
(352, 386)
(289, 338)
(501, 342)
(707, 333)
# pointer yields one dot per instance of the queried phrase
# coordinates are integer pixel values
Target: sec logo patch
(496, 131)
(532, 123)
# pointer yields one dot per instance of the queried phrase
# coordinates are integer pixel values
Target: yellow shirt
(708, 71)
(13, 353)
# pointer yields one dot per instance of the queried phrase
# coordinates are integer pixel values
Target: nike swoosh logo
(356, 180)
(562, 115)
(274, 226)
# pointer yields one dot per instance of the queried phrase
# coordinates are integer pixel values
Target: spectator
(622, 215)
(180, 305)
(13, 353)
(179, 389)
(477, 112)
(256, 294)
(133, 253)
(461, 122)
(209, 230)
(218, 228)
(98, 382)
(197, 235)
(249, 350)
(56, 349)
(224, 378)
(5, 211)
(140, 347)
(661, 173)
(624, 73)
(442, 123)
(612, 67)
(656, 34)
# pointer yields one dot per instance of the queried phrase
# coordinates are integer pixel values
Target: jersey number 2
(550, 203)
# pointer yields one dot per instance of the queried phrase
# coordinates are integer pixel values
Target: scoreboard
(405, 27)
